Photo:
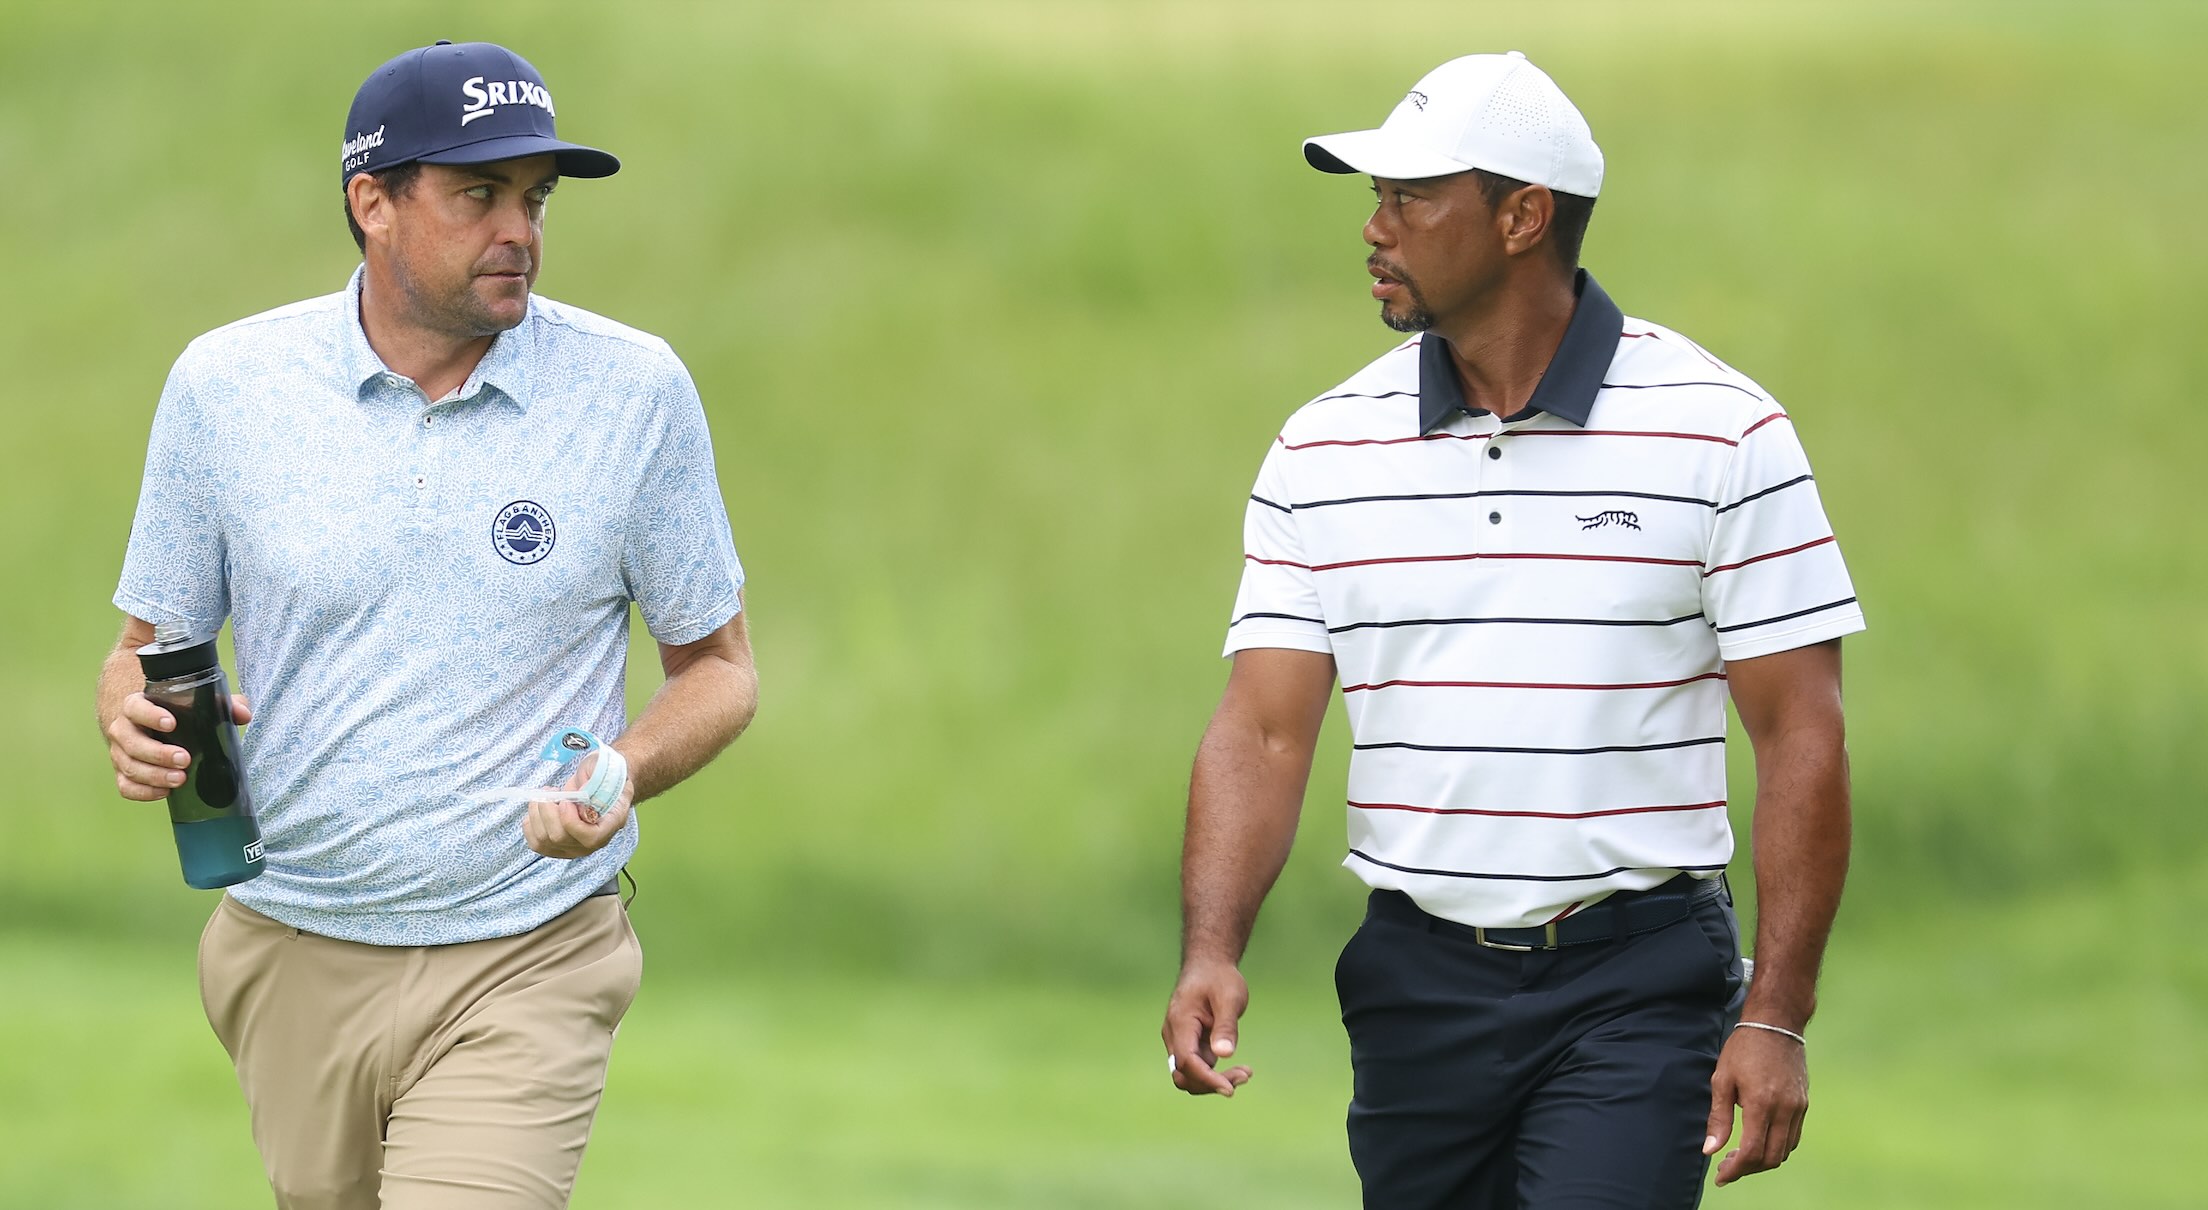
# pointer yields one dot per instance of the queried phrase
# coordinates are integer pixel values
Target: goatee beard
(1414, 320)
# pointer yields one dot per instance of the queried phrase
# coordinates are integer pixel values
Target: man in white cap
(1538, 544)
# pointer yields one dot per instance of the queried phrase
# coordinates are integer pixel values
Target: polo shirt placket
(428, 477)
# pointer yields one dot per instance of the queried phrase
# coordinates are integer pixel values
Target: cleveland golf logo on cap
(484, 99)
(355, 150)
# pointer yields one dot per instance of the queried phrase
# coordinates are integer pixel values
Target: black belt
(1622, 915)
(612, 887)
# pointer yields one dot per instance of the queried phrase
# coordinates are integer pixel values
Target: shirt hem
(146, 610)
(1788, 640)
(1287, 640)
(677, 634)
(359, 928)
(1424, 892)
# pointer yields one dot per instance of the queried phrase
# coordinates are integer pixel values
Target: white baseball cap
(1497, 112)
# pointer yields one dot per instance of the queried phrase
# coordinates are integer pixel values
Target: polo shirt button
(1494, 518)
(419, 481)
(1494, 451)
(429, 420)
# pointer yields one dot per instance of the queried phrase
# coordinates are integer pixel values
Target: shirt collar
(1568, 387)
(504, 368)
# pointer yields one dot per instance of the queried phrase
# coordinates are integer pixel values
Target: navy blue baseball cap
(469, 103)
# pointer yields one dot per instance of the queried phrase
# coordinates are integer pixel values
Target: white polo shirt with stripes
(1531, 619)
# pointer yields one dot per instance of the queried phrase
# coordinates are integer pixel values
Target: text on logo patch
(355, 150)
(1610, 516)
(523, 533)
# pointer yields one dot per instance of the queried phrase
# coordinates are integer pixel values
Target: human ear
(371, 205)
(1523, 218)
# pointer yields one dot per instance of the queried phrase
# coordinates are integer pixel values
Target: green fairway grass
(1951, 1072)
(994, 308)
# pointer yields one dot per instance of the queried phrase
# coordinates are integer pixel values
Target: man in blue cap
(425, 504)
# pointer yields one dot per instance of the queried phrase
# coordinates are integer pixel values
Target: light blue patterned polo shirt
(420, 594)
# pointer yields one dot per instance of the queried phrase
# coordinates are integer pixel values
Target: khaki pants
(420, 1078)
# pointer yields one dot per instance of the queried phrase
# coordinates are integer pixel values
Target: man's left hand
(568, 830)
(1767, 1075)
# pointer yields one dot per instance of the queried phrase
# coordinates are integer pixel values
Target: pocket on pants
(634, 950)
(239, 949)
(1720, 928)
(199, 964)
(1341, 960)
(221, 965)
(615, 977)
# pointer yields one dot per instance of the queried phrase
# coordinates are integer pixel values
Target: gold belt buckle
(1548, 936)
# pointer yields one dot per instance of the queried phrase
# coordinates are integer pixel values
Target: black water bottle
(217, 838)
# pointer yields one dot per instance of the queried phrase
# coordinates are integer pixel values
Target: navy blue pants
(1567, 1079)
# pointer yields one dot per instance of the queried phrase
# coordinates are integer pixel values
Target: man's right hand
(1200, 1023)
(146, 769)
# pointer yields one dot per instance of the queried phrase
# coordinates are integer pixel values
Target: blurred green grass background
(994, 308)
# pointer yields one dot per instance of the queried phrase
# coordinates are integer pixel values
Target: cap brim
(573, 159)
(1377, 153)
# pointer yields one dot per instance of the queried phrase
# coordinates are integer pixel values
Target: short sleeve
(174, 568)
(1278, 605)
(1773, 579)
(679, 561)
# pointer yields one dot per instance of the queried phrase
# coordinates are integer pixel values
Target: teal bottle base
(219, 852)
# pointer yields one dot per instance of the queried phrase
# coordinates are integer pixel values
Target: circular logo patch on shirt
(523, 532)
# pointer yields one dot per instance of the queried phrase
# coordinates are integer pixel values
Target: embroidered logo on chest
(523, 533)
(1610, 516)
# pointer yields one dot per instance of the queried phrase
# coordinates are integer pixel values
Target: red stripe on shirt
(1305, 445)
(1397, 806)
(1776, 554)
(1706, 676)
(1760, 423)
(1493, 555)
